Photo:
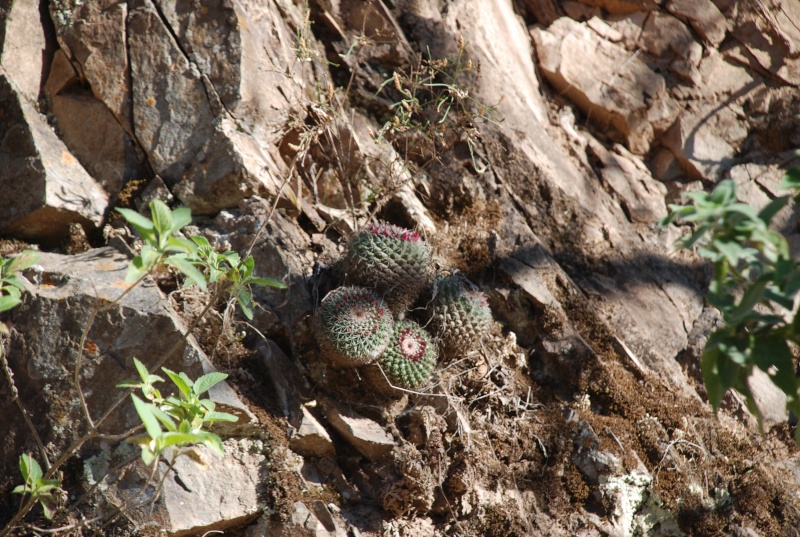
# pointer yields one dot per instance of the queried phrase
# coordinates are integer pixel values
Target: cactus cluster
(459, 316)
(355, 326)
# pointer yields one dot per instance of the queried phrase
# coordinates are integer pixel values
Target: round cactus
(392, 260)
(459, 316)
(353, 326)
(410, 356)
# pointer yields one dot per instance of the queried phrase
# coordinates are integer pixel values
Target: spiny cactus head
(353, 326)
(393, 260)
(392, 231)
(459, 315)
(410, 357)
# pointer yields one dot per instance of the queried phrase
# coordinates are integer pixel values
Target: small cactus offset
(459, 316)
(393, 260)
(353, 326)
(410, 357)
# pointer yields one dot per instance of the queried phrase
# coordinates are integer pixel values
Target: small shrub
(754, 285)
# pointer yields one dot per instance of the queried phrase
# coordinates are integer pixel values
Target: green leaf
(136, 269)
(30, 469)
(22, 261)
(181, 217)
(177, 438)
(162, 219)
(709, 365)
(8, 302)
(723, 193)
(146, 413)
(143, 225)
(183, 386)
(141, 369)
(244, 305)
(193, 276)
(771, 350)
(265, 282)
(220, 416)
(790, 181)
(165, 419)
(204, 383)
(200, 241)
(751, 297)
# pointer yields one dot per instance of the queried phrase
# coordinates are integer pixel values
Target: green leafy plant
(754, 286)
(175, 421)
(11, 283)
(161, 245)
(44, 491)
(232, 272)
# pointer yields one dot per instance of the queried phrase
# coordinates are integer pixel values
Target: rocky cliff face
(535, 145)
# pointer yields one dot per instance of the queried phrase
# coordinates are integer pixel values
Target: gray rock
(105, 150)
(367, 436)
(45, 188)
(190, 140)
(197, 494)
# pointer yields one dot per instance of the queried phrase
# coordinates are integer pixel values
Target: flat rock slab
(367, 436)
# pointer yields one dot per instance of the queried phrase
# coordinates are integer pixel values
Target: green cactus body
(459, 316)
(393, 260)
(353, 326)
(410, 356)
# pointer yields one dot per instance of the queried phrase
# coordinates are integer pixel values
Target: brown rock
(663, 34)
(771, 38)
(62, 75)
(367, 436)
(93, 35)
(105, 150)
(623, 7)
(704, 138)
(310, 439)
(23, 46)
(44, 186)
(620, 89)
(704, 17)
(641, 196)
